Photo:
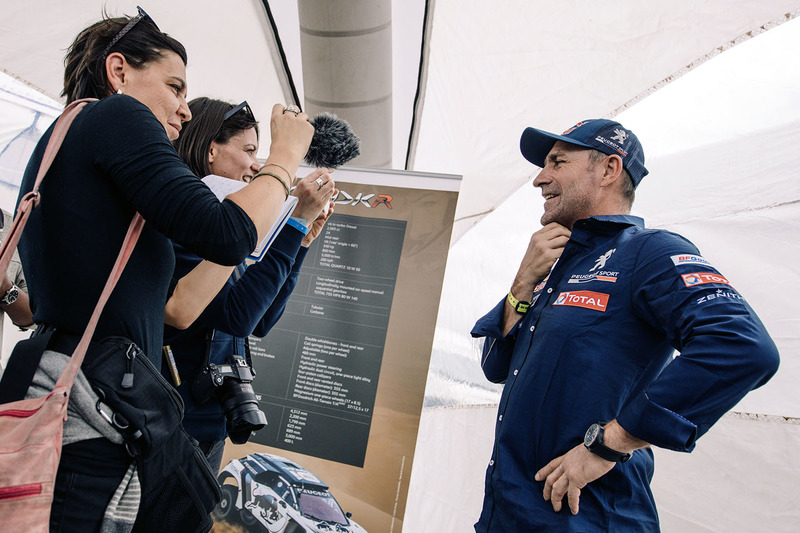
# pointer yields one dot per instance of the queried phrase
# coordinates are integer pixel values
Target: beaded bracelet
(272, 175)
(291, 178)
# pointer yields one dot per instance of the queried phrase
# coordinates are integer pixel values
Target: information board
(321, 364)
(341, 377)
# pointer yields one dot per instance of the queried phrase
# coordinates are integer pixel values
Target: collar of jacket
(585, 229)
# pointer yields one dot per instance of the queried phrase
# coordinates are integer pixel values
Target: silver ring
(320, 183)
(291, 108)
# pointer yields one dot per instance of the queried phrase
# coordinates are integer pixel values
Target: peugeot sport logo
(366, 200)
(600, 262)
(621, 135)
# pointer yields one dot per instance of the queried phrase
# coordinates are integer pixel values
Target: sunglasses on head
(128, 27)
(241, 107)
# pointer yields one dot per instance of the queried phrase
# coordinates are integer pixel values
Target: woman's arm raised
(262, 198)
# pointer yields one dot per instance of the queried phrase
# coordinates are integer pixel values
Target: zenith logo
(379, 199)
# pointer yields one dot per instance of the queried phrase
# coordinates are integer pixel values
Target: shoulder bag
(179, 490)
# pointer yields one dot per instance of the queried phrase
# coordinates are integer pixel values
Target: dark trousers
(88, 475)
(213, 450)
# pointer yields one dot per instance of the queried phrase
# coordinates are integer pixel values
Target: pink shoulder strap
(31, 200)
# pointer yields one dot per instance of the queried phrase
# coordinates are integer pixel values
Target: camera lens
(241, 410)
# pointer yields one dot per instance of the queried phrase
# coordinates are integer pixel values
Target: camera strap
(209, 339)
(247, 352)
(213, 333)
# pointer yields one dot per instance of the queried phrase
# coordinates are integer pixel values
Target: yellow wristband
(519, 306)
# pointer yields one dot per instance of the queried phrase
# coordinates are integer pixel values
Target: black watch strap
(593, 440)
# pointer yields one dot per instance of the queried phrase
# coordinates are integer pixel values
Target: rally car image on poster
(269, 493)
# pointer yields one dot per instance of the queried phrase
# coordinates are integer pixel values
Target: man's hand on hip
(568, 474)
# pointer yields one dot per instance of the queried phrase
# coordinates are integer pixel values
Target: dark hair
(85, 62)
(628, 189)
(209, 124)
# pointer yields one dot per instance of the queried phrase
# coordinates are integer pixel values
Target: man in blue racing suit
(584, 343)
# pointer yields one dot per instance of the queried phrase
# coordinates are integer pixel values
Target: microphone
(334, 142)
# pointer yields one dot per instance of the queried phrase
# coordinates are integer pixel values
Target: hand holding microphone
(334, 142)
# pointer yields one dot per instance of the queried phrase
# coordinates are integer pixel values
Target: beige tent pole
(347, 69)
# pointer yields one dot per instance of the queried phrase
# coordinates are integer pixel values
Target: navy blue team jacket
(597, 345)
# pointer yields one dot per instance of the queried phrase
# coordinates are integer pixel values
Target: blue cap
(600, 134)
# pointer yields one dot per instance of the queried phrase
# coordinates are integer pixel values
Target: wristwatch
(593, 440)
(10, 296)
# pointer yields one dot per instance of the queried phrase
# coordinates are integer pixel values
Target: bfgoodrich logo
(688, 259)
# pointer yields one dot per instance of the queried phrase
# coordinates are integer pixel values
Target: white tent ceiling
(491, 72)
(486, 73)
(230, 44)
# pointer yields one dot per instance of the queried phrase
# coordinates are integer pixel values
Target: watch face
(11, 296)
(591, 434)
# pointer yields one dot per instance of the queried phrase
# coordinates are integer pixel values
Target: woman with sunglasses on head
(222, 139)
(115, 160)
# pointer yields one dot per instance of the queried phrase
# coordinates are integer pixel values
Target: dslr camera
(231, 384)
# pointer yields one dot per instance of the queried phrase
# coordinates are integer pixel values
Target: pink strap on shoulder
(71, 370)
(31, 200)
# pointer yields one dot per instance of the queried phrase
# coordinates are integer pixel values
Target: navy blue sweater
(115, 160)
(246, 305)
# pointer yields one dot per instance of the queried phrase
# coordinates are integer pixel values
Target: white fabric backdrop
(721, 145)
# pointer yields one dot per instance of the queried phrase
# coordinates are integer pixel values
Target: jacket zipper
(20, 491)
(127, 378)
(19, 413)
(145, 362)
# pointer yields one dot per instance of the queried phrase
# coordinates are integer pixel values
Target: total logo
(366, 200)
(596, 301)
(701, 278)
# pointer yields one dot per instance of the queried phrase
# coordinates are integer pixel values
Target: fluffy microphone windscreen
(334, 142)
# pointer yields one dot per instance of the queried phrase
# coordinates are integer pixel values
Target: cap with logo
(600, 134)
